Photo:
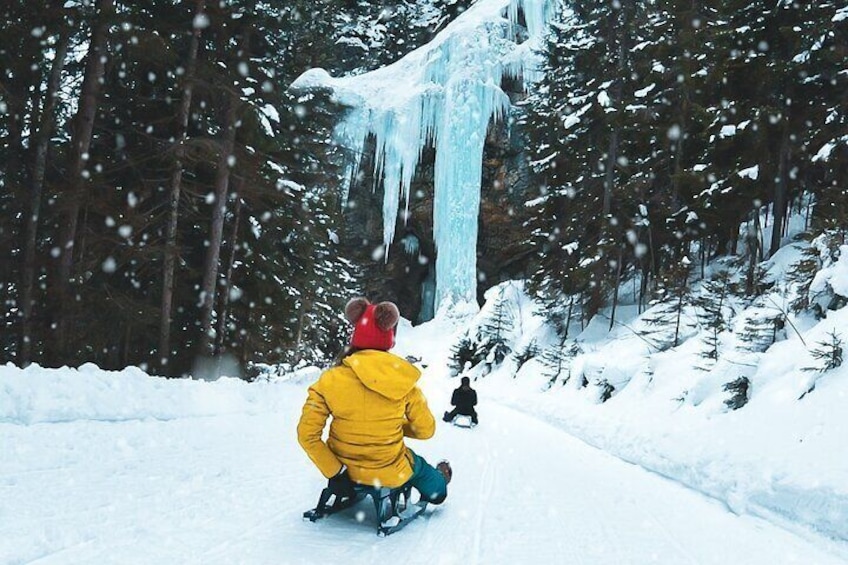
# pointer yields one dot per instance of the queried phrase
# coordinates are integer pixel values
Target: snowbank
(781, 456)
(39, 395)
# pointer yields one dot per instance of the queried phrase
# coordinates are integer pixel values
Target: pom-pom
(355, 309)
(387, 315)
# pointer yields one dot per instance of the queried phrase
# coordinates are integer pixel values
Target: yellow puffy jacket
(374, 403)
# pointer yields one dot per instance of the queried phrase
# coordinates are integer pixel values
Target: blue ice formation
(444, 94)
(411, 244)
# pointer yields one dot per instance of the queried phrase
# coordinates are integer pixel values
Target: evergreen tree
(739, 393)
(829, 353)
(712, 307)
(557, 360)
(522, 356)
(800, 276)
(674, 296)
(279, 284)
(579, 135)
(762, 328)
(496, 330)
(465, 355)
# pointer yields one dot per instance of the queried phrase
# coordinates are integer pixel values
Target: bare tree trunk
(609, 182)
(678, 151)
(125, 353)
(42, 143)
(615, 290)
(14, 95)
(754, 251)
(807, 214)
(301, 320)
(619, 24)
(81, 143)
(781, 193)
(679, 316)
(170, 259)
(225, 291)
(213, 254)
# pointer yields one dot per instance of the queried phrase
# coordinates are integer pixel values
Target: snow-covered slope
(134, 469)
(780, 456)
(119, 467)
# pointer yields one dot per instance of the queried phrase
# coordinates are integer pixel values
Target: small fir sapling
(524, 355)
(829, 353)
(711, 305)
(490, 344)
(674, 295)
(761, 330)
(465, 354)
(558, 359)
(801, 276)
(739, 393)
(496, 328)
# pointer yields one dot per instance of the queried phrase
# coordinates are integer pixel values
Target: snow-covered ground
(780, 457)
(120, 467)
(103, 467)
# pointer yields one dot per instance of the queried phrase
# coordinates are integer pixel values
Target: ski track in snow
(231, 489)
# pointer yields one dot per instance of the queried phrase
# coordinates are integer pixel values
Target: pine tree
(829, 353)
(496, 329)
(281, 188)
(525, 354)
(557, 360)
(800, 276)
(739, 393)
(762, 328)
(674, 296)
(579, 136)
(712, 311)
(465, 355)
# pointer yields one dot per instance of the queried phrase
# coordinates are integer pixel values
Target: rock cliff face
(407, 275)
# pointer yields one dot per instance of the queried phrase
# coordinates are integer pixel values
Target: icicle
(445, 94)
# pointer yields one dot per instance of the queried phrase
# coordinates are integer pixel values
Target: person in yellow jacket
(374, 403)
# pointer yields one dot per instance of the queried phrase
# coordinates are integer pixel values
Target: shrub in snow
(496, 329)
(739, 393)
(829, 288)
(606, 390)
(465, 355)
(761, 328)
(523, 355)
(557, 361)
(712, 311)
(800, 276)
(673, 296)
(828, 353)
(829, 356)
(492, 339)
(483, 351)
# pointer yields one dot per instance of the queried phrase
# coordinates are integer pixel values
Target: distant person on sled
(464, 399)
(374, 403)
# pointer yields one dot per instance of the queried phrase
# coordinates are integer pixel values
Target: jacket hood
(383, 372)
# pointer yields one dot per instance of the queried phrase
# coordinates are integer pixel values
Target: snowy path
(231, 488)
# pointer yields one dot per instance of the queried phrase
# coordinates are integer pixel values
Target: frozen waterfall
(444, 94)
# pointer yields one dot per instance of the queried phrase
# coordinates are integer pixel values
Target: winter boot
(445, 469)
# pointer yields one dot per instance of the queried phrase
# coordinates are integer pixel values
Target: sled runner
(463, 421)
(394, 508)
